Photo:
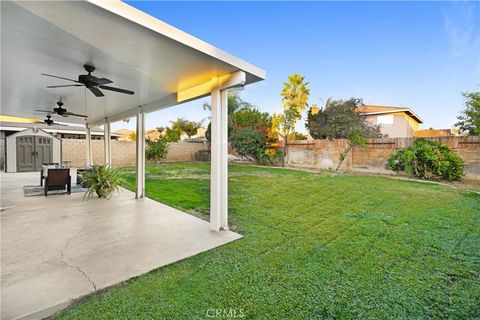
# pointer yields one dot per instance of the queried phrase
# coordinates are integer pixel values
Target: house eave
(407, 111)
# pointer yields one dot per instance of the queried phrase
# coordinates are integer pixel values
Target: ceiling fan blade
(59, 124)
(117, 90)
(96, 91)
(66, 85)
(101, 81)
(51, 75)
(68, 113)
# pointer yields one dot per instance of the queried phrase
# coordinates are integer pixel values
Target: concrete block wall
(123, 152)
(316, 154)
(185, 151)
(74, 150)
(325, 154)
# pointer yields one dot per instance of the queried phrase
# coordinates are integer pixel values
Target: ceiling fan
(50, 122)
(91, 82)
(61, 111)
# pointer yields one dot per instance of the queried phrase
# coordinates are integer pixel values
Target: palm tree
(295, 95)
(235, 104)
(179, 124)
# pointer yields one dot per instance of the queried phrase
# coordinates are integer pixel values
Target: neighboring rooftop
(371, 109)
(20, 126)
(436, 133)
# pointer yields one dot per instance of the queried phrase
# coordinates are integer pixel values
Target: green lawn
(315, 246)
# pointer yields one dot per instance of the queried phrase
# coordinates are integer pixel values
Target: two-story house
(394, 122)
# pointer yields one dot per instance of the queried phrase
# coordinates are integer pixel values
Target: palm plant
(103, 181)
(295, 96)
(235, 103)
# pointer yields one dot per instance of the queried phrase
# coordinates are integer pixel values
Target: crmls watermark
(229, 313)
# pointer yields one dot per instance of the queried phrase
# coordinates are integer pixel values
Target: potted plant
(103, 181)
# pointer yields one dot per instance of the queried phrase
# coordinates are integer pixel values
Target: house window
(388, 119)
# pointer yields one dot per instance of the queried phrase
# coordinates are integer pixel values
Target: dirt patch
(464, 184)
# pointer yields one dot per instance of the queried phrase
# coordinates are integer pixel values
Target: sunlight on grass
(315, 246)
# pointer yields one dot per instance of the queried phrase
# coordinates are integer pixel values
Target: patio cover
(163, 65)
(135, 50)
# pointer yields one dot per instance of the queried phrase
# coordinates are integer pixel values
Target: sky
(416, 54)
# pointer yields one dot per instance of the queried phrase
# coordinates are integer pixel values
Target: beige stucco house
(394, 122)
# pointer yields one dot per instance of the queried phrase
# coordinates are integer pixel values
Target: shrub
(249, 142)
(156, 150)
(203, 155)
(271, 158)
(297, 136)
(426, 158)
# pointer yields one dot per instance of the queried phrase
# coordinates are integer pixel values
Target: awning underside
(60, 37)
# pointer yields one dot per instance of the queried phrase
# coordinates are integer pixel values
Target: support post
(107, 143)
(140, 155)
(88, 137)
(224, 158)
(219, 159)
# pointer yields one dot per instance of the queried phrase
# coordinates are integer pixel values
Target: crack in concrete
(62, 260)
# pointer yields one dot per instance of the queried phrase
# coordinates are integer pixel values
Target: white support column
(219, 160)
(88, 137)
(140, 155)
(224, 158)
(215, 162)
(107, 146)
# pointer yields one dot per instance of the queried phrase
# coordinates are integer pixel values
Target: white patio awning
(163, 65)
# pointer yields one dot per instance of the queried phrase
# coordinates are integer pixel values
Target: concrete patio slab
(60, 248)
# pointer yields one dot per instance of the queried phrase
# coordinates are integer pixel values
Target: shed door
(43, 151)
(25, 153)
(32, 151)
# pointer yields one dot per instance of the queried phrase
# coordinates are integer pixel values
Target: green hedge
(425, 159)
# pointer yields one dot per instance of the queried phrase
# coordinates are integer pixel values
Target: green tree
(250, 134)
(252, 118)
(156, 150)
(171, 135)
(295, 96)
(249, 142)
(234, 104)
(355, 138)
(188, 127)
(191, 128)
(338, 118)
(179, 124)
(297, 136)
(469, 119)
(161, 130)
